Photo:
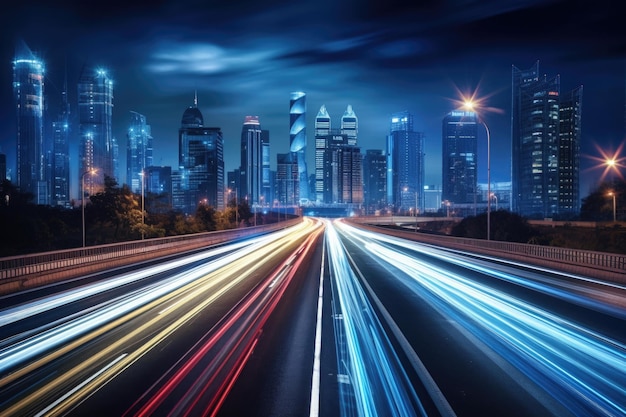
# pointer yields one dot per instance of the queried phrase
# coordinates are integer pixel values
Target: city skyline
(383, 59)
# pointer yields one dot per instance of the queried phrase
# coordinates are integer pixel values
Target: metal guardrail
(600, 264)
(46, 262)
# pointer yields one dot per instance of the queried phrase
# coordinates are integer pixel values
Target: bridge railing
(603, 265)
(21, 266)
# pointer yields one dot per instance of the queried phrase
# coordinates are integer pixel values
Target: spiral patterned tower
(297, 138)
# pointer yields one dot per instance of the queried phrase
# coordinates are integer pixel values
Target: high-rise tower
(138, 152)
(201, 163)
(297, 139)
(95, 111)
(251, 169)
(405, 165)
(350, 125)
(545, 133)
(60, 177)
(28, 91)
(459, 149)
(338, 162)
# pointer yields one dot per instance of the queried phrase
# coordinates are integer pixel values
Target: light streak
(580, 368)
(378, 383)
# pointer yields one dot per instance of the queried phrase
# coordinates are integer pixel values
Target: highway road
(321, 319)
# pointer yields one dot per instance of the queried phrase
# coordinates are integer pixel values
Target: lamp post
(612, 194)
(143, 221)
(470, 105)
(82, 189)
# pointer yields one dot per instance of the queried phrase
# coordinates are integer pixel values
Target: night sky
(244, 58)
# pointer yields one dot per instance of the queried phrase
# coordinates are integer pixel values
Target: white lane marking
(314, 409)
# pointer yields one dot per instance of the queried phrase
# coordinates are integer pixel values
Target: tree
(598, 205)
(505, 226)
(206, 217)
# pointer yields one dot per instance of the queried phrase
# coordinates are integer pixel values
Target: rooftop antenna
(195, 98)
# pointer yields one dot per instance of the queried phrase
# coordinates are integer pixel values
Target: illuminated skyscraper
(251, 168)
(338, 162)
(459, 149)
(374, 180)
(28, 91)
(405, 165)
(138, 152)
(297, 137)
(95, 111)
(545, 132)
(60, 177)
(350, 125)
(201, 162)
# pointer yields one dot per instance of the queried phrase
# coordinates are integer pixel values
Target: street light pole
(82, 189)
(612, 194)
(143, 221)
(488, 181)
(471, 105)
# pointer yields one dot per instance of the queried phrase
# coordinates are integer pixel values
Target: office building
(459, 157)
(158, 189)
(338, 162)
(255, 163)
(545, 132)
(374, 181)
(297, 140)
(60, 160)
(287, 179)
(405, 165)
(139, 152)
(95, 111)
(201, 162)
(350, 125)
(28, 93)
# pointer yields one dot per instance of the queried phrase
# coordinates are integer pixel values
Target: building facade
(374, 181)
(545, 141)
(254, 183)
(28, 94)
(338, 161)
(139, 152)
(95, 111)
(297, 139)
(201, 162)
(405, 165)
(60, 170)
(459, 157)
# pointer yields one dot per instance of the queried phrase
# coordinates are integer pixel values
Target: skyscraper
(338, 162)
(459, 157)
(322, 130)
(350, 125)
(287, 179)
(570, 115)
(60, 177)
(138, 151)
(405, 164)
(374, 180)
(28, 93)
(251, 169)
(201, 162)
(95, 111)
(297, 139)
(545, 140)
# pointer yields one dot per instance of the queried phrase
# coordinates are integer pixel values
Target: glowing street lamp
(143, 220)
(92, 171)
(471, 106)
